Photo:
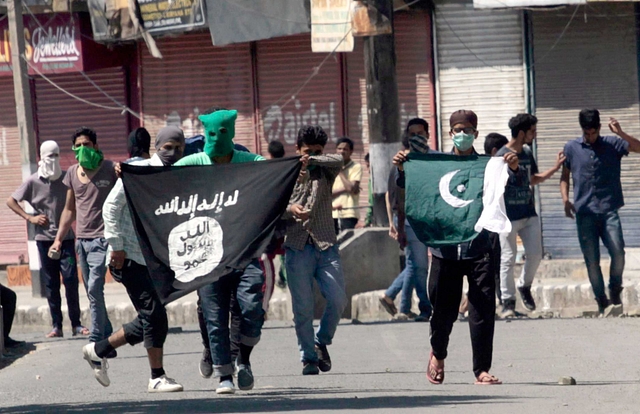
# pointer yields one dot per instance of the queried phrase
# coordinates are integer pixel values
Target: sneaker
(527, 299)
(401, 317)
(616, 295)
(164, 384)
(245, 377)
(423, 318)
(206, 364)
(388, 305)
(324, 360)
(12, 343)
(97, 364)
(612, 311)
(508, 309)
(603, 304)
(226, 387)
(310, 368)
(112, 354)
(55, 333)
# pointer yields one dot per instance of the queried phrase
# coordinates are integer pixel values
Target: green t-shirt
(202, 158)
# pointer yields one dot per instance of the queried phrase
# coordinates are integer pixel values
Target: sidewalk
(561, 289)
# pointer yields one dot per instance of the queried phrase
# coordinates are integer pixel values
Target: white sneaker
(226, 387)
(164, 384)
(97, 364)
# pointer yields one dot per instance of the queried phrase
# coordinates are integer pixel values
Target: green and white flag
(449, 199)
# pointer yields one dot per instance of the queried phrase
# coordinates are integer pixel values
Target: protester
(414, 275)
(247, 284)
(311, 251)
(276, 150)
(521, 210)
(594, 162)
(127, 266)
(451, 263)
(8, 301)
(346, 188)
(46, 193)
(138, 145)
(89, 183)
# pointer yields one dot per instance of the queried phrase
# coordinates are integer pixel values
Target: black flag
(198, 223)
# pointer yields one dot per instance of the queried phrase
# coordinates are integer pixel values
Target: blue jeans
(215, 300)
(51, 270)
(324, 266)
(413, 275)
(92, 254)
(592, 228)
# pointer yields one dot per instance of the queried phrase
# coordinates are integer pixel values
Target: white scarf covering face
(49, 165)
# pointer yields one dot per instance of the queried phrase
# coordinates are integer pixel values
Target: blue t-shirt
(518, 194)
(596, 173)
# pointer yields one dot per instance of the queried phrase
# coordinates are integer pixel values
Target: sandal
(389, 307)
(487, 379)
(434, 375)
(55, 333)
(80, 330)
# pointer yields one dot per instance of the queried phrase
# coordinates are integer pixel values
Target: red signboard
(53, 44)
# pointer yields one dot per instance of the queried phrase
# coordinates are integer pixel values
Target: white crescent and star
(449, 198)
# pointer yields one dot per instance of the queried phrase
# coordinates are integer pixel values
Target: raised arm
(634, 144)
(542, 177)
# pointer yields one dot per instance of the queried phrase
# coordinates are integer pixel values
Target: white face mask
(49, 165)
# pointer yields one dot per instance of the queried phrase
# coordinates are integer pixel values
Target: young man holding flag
(453, 226)
(247, 284)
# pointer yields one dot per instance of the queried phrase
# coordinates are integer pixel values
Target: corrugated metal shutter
(480, 66)
(594, 65)
(283, 65)
(13, 229)
(59, 115)
(193, 76)
(415, 83)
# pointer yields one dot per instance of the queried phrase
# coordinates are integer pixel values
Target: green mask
(219, 130)
(89, 158)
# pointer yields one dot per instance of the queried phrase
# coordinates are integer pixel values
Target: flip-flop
(438, 378)
(487, 379)
(389, 307)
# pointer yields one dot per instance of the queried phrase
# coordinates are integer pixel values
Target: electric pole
(382, 109)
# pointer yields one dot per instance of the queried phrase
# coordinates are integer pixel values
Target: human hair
(311, 135)
(589, 118)
(366, 157)
(494, 141)
(87, 132)
(348, 140)
(417, 121)
(139, 142)
(521, 122)
(276, 149)
(213, 109)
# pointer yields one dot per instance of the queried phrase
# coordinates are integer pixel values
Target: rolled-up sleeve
(112, 211)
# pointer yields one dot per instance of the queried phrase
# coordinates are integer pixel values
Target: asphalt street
(377, 367)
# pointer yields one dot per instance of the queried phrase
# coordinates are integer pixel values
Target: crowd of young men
(232, 309)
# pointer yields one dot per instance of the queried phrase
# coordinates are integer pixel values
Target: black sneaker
(12, 343)
(324, 360)
(603, 304)
(527, 299)
(508, 309)
(206, 364)
(615, 295)
(310, 368)
(112, 354)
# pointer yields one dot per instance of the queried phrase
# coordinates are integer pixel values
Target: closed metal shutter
(13, 229)
(594, 65)
(415, 84)
(480, 67)
(193, 76)
(283, 65)
(59, 115)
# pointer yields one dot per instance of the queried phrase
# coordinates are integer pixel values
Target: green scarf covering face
(219, 130)
(89, 158)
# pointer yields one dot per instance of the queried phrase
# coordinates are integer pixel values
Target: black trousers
(151, 326)
(8, 300)
(234, 327)
(344, 224)
(445, 291)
